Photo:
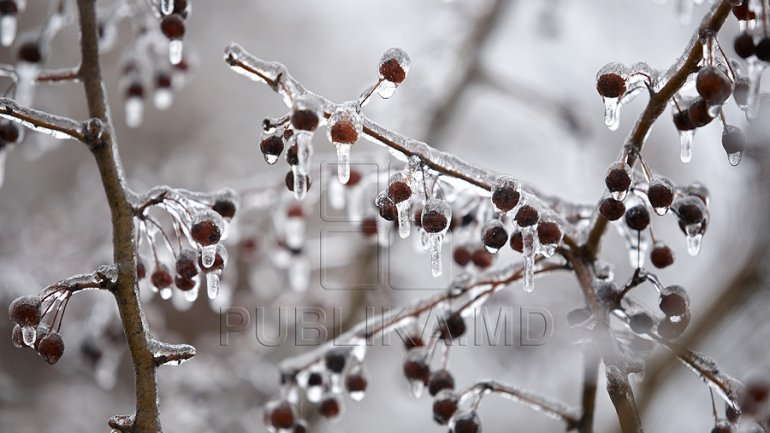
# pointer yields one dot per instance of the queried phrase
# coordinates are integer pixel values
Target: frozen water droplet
(548, 250)
(336, 383)
(685, 142)
(357, 395)
(134, 111)
(359, 350)
(300, 182)
(436, 240)
(694, 242)
(175, 51)
(166, 7)
(416, 387)
(270, 159)
(192, 294)
(208, 255)
(619, 195)
(528, 239)
(314, 393)
(735, 158)
(8, 24)
(343, 163)
(335, 193)
(28, 334)
(165, 293)
(661, 210)
(386, 89)
(404, 219)
(163, 99)
(212, 284)
(611, 113)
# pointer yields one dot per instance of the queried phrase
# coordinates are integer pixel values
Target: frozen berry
(399, 191)
(281, 414)
(356, 382)
(682, 121)
(699, 191)
(641, 323)
(690, 210)
(292, 155)
(394, 65)
(315, 379)
(30, 52)
(466, 423)
(611, 209)
(330, 407)
(494, 236)
(439, 381)
(674, 301)
(51, 347)
(713, 85)
(387, 209)
(335, 360)
(444, 407)
(672, 327)
(434, 221)
(638, 218)
(743, 13)
(733, 139)
(416, 367)
(662, 256)
(9, 132)
(141, 270)
(413, 341)
(611, 85)
(306, 114)
(506, 193)
(8, 7)
(418, 217)
(355, 177)
(369, 227)
(763, 49)
(135, 90)
(699, 114)
(548, 233)
(744, 45)
(25, 310)
(660, 193)
(517, 241)
(526, 216)
(299, 427)
(618, 178)
(161, 277)
(482, 258)
(461, 256)
(452, 327)
(206, 230)
(343, 131)
(722, 426)
(272, 145)
(224, 207)
(184, 284)
(186, 263)
(172, 26)
(289, 181)
(754, 397)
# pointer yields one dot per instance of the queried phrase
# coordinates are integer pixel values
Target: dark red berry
(399, 191)
(439, 381)
(186, 264)
(452, 327)
(289, 180)
(638, 218)
(161, 277)
(413, 341)
(744, 45)
(698, 112)
(282, 415)
(418, 217)
(355, 177)
(315, 379)
(682, 121)
(641, 323)
(733, 139)
(224, 207)
(206, 232)
(618, 177)
(517, 241)
(30, 52)
(660, 193)
(482, 258)
(335, 360)
(444, 407)
(330, 407)
(732, 414)
(611, 85)
(272, 145)
(391, 70)
(461, 256)
(135, 90)
(172, 26)
(690, 210)
(292, 155)
(754, 397)
(722, 427)
(674, 301)
(184, 284)
(163, 80)
(299, 427)
(763, 49)
(304, 120)
(434, 221)
(141, 270)
(417, 369)
(662, 256)
(388, 210)
(369, 227)
(494, 237)
(467, 423)
(356, 382)
(343, 132)
(505, 197)
(526, 216)
(51, 347)
(9, 132)
(548, 233)
(26, 311)
(713, 85)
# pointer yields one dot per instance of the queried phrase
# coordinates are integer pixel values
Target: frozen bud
(271, 148)
(387, 209)
(662, 255)
(461, 256)
(292, 155)
(660, 193)
(330, 407)
(638, 218)
(335, 360)
(369, 227)
(280, 415)
(207, 228)
(494, 236)
(641, 323)
(713, 84)
(452, 327)
(187, 264)
(506, 193)
(289, 181)
(466, 423)
(416, 368)
(674, 326)
(611, 81)
(307, 114)
(527, 216)
(674, 301)
(25, 311)
(436, 216)
(439, 381)
(30, 52)
(51, 348)
(618, 179)
(548, 233)
(173, 26)
(444, 406)
(161, 278)
(344, 126)
(394, 65)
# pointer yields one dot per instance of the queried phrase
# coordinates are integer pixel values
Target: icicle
(300, 183)
(685, 142)
(304, 142)
(404, 219)
(735, 158)
(335, 194)
(314, 393)
(694, 239)
(192, 294)
(175, 51)
(343, 162)
(359, 350)
(435, 222)
(8, 24)
(134, 111)
(612, 113)
(359, 375)
(212, 283)
(28, 334)
(208, 255)
(436, 240)
(166, 7)
(528, 239)
(163, 99)
(299, 273)
(756, 67)
(294, 231)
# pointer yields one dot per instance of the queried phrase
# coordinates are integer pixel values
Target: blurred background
(504, 84)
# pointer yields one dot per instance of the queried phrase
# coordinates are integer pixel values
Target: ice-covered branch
(66, 75)
(165, 353)
(51, 124)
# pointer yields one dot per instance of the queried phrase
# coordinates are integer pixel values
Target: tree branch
(56, 126)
